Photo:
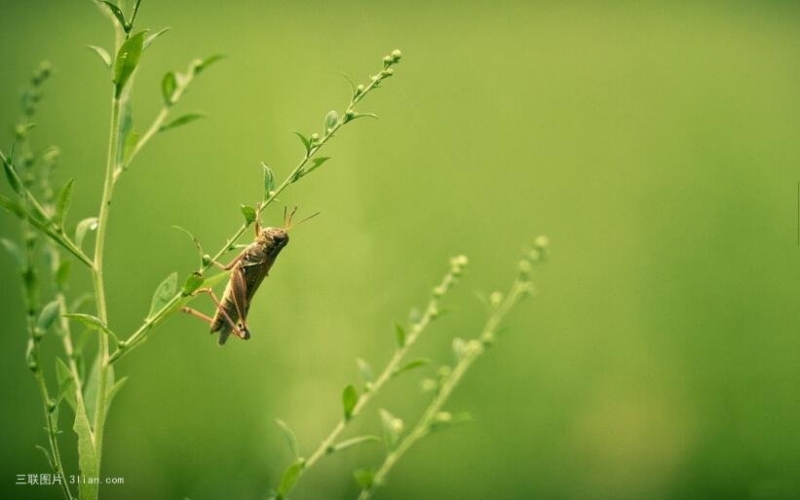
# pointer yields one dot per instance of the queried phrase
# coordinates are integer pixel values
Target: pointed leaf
(290, 477)
(305, 140)
(62, 273)
(127, 60)
(269, 180)
(163, 294)
(366, 371)
(84, 226)
(87, 459)
(66, 387)
(199, 65)
(48, 316)
(103, 53)
(93, 323)
(349, 443)
(13, 249)
(444, 420)
(131, 140)
(12, 177)
(62, 202)
(168, 87)
(93, 385)
(249, 214)
(400, 335)
(118, 14)
(414, 363)
(349, 400)
(183, 120)
(12, 206)
(291, 440)
(331, 120)
(46, 453)
(113, 390)
(150, 39)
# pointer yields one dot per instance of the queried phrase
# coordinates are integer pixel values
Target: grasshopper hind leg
(227, 327)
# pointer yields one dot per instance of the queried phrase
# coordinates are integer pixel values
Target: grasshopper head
(274, 237)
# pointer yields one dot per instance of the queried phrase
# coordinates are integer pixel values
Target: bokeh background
(655, 143)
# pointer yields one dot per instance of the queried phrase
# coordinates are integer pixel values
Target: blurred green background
(655, 143)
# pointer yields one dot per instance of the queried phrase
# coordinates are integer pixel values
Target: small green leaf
(13, 177)
(349, 400)
(163, 294)
(13, 249)
(93, 323)
(127, 60)
(349, 443)
(87, 458)
(192, 283)
(269, 180)
(290, 477)
(331, 120)
(113, 390)
(414, 363)
(62, 273)
(62, 202)
(249, 214)
(103, 53)
(444, 420)
(199, 65)
(48, 316)
(305, 140)
(131, 140)
(291, 440)
(150, 39)
(315, 164)
(118, 14)
(93, 386)
(83, 227)
(366, 371)
(392, 428)
(168, 87)
(365, 478)
(183, 120)
(400, 335)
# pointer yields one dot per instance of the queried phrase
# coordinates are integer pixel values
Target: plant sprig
(466, 353)
(354, 404)
(307, 164)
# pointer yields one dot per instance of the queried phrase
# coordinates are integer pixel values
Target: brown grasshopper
(248, 270)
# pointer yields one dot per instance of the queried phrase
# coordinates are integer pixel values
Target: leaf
(349, 443)
(118, 14)
(331, 120)
(93, 384)
(192, 283)
(183, 120)
(48, 316)
(365, 478)
(113, 390)
(444, 420)
(131, 140)
(316, 163)
(249, 214)
(12, 177)
(103, 53)
(269, 180)
(291, 440)
(127, 60)
(168, 87)
(349, 400)
(163, 294)
(366, 371)
(62, 273)
(200, 65)
(93, 323)
(12, 206)
(83, 227)
(290, 477)
(87, 459)
(47, 454)
(13, 249)
(400, 335)
(392, 427)
(414, 363)
(63, 201)
(66, 387)
(150, 39)
(305, 140)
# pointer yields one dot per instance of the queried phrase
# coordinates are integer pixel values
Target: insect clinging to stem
(248, 270)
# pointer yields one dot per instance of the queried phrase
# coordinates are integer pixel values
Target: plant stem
(475, 348)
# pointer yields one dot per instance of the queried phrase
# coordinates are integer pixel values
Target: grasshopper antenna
(288, 222)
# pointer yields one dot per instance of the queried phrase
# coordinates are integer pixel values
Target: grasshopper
(248, 270)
